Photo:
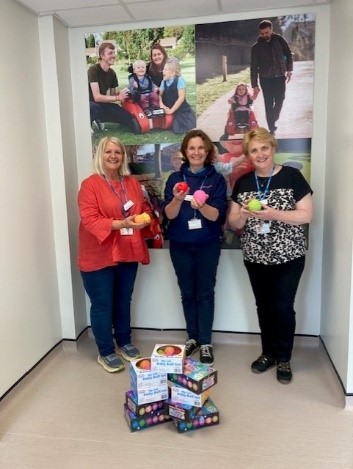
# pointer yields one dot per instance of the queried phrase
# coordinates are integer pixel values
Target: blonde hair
(137, 63)
(174, 66)
(261, 134)
(98, 157)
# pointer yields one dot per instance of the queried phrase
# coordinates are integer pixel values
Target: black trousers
(274, 90)
(275, 287)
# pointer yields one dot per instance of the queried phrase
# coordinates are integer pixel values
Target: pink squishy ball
(200, 196)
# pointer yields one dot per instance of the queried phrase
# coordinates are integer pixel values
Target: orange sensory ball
(142, 218)
(169, 350)
(145, 364)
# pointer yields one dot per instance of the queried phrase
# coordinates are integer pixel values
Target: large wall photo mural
(148, 87)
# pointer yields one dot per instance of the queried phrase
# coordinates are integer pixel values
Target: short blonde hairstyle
(98, 157)
(137, 63)
(261, 134)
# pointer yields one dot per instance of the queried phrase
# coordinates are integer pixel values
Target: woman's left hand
(196, 205)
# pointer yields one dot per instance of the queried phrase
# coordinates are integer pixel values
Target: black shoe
(284, 373)
(191, 346)
(263, 363)
(206, 355)
(148, 113)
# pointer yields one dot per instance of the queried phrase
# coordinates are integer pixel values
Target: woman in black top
(274, 245)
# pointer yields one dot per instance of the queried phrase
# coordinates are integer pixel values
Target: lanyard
(202, 184)
(263, 195)
(117, 193)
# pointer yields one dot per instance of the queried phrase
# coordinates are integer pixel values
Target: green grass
(156, 135)
(214, 88)
(303, 158)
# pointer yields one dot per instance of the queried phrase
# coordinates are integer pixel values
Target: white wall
(156, 300)
(29, 305)
(337, 309)
(38, 184)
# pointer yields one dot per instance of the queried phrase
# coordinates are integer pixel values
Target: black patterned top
(283, 242)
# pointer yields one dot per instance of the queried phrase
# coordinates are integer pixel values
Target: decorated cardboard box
(196, 376)
(141, 375)
(184, 396)
(168, 358)
(178, 411)
(142, 410)
(137, 423)
(151, 394)
(207, 416)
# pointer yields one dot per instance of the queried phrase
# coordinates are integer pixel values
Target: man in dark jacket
(272, 63)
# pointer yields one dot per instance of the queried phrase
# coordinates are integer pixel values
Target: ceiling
(81, 13)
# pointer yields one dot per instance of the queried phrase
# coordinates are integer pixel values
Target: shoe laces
(111, 357)
(263, 359)
(128, 347)
(206, 350)
(190, 343)
(283, 366)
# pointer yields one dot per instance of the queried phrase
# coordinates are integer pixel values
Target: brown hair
(103, 46)
(265, 24)
(209, 146)
(152, 66)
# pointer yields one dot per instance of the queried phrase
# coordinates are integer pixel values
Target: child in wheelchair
(241, 117)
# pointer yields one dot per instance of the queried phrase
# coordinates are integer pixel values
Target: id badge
(195, 224)
(188, 198)
(263, 227)
(126, 231)
(128, 205)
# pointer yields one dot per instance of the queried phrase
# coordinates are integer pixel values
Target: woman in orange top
(111, 245)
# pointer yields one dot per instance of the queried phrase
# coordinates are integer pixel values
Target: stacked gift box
(168, 386)
(144, 402)
(190, 405)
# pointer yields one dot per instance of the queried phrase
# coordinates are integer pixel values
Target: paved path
(296, 117)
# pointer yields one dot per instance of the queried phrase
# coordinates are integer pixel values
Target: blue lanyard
(263, 195)
(117, 193)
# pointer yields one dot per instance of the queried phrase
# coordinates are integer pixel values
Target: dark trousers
(274, 90)
(275, 287)
(109, 112)
(110, 291)
(195, 266)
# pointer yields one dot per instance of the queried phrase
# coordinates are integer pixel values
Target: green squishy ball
(254, 205)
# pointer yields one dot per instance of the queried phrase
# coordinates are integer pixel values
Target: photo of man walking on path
(272, 67)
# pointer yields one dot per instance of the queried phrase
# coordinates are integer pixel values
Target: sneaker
(206, 355)
(191, 346)
(111, 363)
(284, 373)
(129, 352)
(263, 363)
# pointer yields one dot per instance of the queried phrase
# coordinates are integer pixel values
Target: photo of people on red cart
(150, 87)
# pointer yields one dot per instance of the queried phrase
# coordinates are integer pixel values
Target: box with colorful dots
(141, 410)
(137, 422)
(168, 358)
(196, 377)
(179, 411)
(207, 416)
(184, 396)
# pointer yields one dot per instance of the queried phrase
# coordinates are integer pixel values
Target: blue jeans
(275, 287)
(110, 292)
(195, 266)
